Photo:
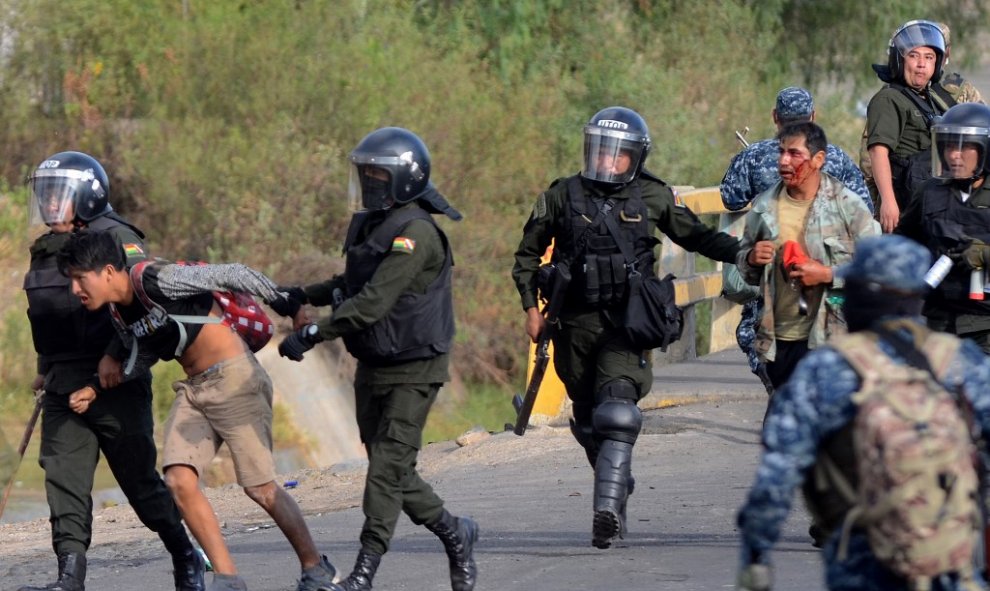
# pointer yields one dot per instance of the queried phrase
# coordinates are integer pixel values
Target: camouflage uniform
(753, 171)
(838, 217)
(816, 403)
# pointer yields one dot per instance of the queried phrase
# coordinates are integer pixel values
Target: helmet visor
(611, 156)
(919, 34)
(53, 198)
(369, 188)
(959, 152)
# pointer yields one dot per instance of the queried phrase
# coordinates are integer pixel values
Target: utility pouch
(618, 264)
(605, 279)
(591, 279)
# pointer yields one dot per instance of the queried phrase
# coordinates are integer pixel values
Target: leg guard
(617, 422)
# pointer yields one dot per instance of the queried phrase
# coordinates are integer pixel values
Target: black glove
(295, 293)
(296, 344)
(976, 255)
(286, 307)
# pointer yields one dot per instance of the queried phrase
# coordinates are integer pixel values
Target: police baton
(28, 430)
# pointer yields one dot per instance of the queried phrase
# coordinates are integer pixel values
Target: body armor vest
(947, 224)
(598, 267)
(419, 326)
(63, 330)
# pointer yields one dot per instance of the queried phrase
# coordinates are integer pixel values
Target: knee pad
(620, 389)
(617, 420)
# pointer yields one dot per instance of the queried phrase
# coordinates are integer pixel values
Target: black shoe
(458, 535)
(364, 571)
(71, 574)
(189, 571)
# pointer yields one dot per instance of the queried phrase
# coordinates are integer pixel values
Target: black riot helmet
(616, 143)
(960, 142)
(391, 166)
(69, 187)
(918, 33)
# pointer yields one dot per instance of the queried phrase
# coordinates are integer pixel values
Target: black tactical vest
(948, 223)
(63, 330)
(419, 326)
(598, 268)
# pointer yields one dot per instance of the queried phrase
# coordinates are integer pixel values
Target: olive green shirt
(664, 210)
(401, 271)
(893, 120)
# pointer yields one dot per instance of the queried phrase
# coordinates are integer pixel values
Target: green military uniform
(591, 349)
(392, 399)
(892, 119)
(118, 423)
(940, 219)
(896, 121)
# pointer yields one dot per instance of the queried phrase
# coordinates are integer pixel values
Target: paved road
(532, 497)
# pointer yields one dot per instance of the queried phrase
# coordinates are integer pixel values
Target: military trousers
(588, 352)
(119, 424)
(390, 421)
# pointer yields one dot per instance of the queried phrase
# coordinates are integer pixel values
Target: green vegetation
(225, 125)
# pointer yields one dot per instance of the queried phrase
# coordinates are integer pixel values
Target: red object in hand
(794, 255)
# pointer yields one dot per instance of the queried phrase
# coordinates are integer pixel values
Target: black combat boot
(458, 535)
(188, 566)
(189, 571)
(71, 574)
(612, 480)
(364, 571)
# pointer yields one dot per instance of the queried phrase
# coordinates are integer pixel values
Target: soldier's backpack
(240, 312)
(916, 496)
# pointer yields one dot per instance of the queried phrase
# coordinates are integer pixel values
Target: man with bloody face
(814, 213)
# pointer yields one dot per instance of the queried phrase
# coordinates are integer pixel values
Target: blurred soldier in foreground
(855, 396)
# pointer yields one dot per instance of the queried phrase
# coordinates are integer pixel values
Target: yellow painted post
(552, 393)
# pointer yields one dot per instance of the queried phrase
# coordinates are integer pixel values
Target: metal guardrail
(692, 287)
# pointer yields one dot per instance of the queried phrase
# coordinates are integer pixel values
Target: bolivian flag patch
(133, 250)
(403, 244)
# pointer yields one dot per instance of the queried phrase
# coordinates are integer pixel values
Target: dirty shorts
(231, 401)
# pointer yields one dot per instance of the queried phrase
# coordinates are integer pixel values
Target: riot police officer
(605, 376)
(899, 116)
(78, 353)
(950, 214)
(393, 308)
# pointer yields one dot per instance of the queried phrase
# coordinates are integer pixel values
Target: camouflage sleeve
(970, 373)
(969, 93)
(814, 403)
(846, 171)
(735, 187)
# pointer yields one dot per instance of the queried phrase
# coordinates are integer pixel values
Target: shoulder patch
(678, 201)
(403, 244)
(540, 209)
(133, 250)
